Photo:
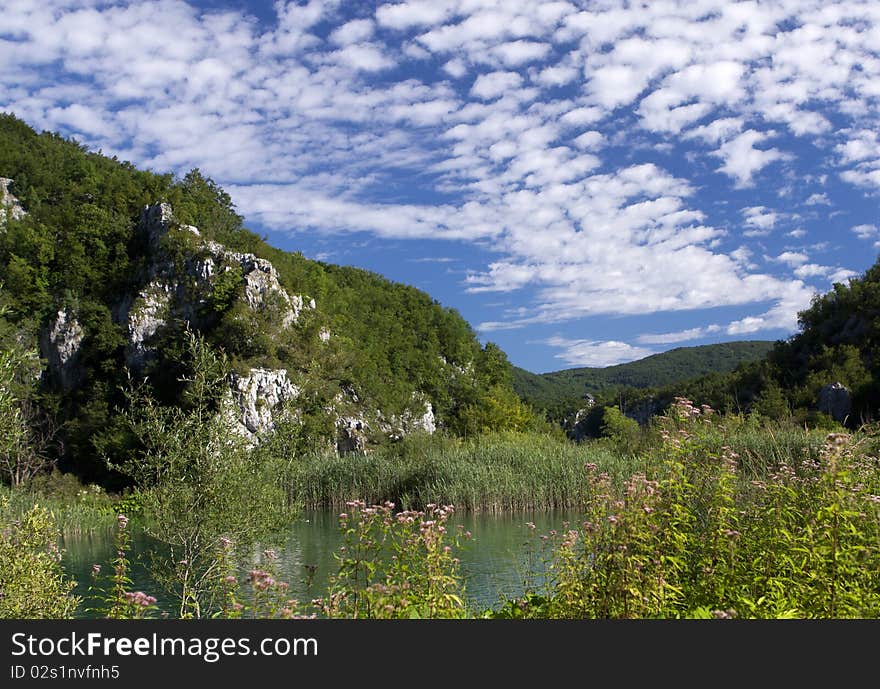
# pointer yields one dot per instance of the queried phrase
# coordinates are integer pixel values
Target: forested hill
(676, 365)
(105, 268)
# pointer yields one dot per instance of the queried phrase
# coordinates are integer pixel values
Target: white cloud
(818, 200)
(495, 84)
(742, 160)
(364, 56)
(866, 231)
(517, 53)
(717, 130)
(860, 145)
(760, 219)
(811, 270)
(680, 336)
(456, 67)
(782, 316)
(792, 258)
(355, 31)
(405, 15)
(596, 353)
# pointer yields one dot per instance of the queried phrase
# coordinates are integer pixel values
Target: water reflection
(503, 554)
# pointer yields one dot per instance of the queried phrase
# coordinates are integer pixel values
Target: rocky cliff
(177, 289)
(9, 204)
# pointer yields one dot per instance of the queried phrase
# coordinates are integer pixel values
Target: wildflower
(225, 543)
(230, 579)
(531, 525)
(139, 599)
(121, 521)
(96, 570)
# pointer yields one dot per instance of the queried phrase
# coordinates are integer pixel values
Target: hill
(105, 269)
(548, 390)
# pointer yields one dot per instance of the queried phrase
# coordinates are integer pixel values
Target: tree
(25, 432)
(202, 485)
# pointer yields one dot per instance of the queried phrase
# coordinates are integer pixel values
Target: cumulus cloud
(742, 160)
(596, 353)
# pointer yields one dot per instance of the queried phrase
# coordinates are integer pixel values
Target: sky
(587, 183)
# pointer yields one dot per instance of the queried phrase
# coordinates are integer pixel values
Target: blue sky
(587, 183)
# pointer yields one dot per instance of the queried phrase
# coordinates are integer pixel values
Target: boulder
(351, 435)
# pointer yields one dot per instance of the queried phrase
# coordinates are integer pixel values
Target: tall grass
(706, 535)
(76, 509)
(523, 471)
(493, 472)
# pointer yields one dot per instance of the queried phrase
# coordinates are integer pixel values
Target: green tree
(201, 483)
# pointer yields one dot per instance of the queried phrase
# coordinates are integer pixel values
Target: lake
(494, 563)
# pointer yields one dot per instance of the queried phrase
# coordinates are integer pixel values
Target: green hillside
(548, 390)
(76, 245)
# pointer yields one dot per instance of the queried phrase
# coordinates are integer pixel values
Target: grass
(493, 472)
(524, 471)
(76, 509)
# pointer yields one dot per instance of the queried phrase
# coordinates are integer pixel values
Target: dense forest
(77, 249)
(549, 390)
(823, 375)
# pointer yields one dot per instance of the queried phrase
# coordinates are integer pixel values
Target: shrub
(32, 583)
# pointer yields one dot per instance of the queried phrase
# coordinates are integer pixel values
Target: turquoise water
(502, 554)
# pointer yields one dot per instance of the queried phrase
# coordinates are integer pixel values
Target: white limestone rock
(258, 396)
(61, 345)
(147, 315)
(9, 204)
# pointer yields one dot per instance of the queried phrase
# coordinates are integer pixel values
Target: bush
(32, 583)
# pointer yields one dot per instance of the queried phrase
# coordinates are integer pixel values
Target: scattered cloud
(742, 160)
(596, 353)
(680, 336)
(575, 143)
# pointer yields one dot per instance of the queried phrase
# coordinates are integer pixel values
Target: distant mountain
(548, 390)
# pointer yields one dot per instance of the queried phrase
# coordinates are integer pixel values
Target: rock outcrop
(170, 294)
(9, 205)
(644, 410)
(258, 395)
(835, 400)
(178, 285)
(60, 346)
(351, 435)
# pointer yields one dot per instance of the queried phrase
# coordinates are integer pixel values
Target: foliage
(199, 482)
(32, 582)
(396, 565)
(561, 391)
(26, 431)
(698, 537)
